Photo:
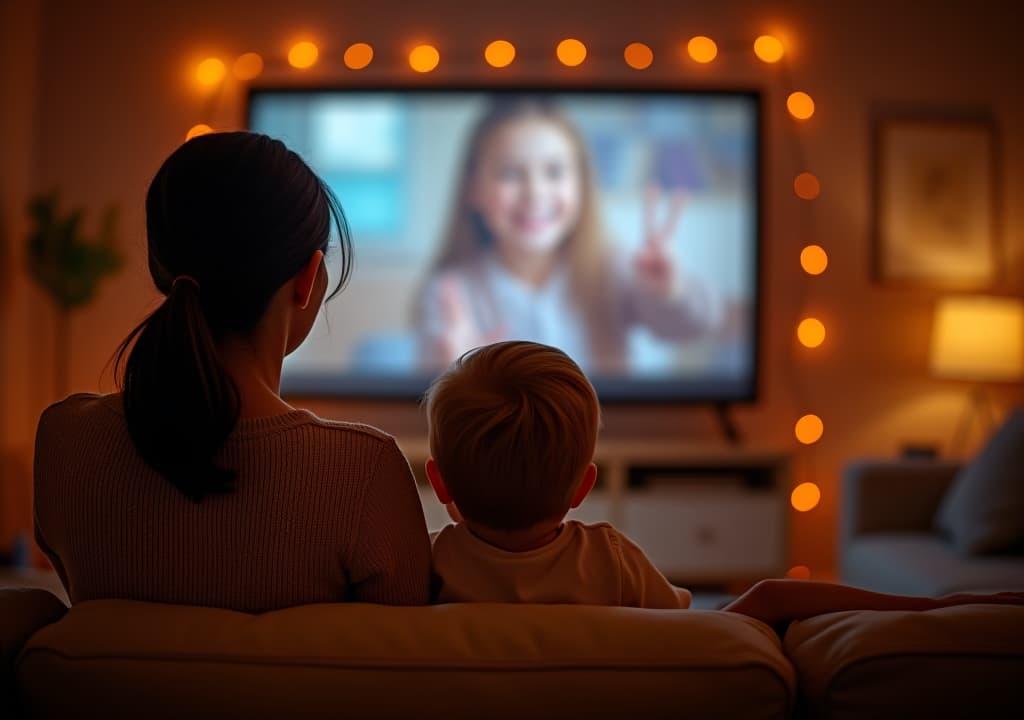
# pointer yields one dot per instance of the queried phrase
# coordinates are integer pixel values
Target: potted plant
(68, 265)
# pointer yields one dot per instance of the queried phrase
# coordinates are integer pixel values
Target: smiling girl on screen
(524, 256)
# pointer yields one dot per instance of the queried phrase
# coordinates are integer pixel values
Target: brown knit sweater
(323, 511)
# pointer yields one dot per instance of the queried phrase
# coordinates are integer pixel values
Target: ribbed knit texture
(323, 511)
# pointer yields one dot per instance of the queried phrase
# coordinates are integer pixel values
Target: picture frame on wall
(935, 209)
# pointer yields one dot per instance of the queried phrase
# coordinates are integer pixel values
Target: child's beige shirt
(584, 565)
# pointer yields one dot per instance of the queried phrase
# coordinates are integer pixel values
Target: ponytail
(230, 218)
(180, 404)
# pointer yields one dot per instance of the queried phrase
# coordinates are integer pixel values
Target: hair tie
(186, 278)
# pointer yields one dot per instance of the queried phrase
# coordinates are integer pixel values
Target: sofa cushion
(925, 564)
(964, 661)
(504, 661)
(983, 512)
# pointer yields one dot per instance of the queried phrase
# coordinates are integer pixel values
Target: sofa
(116, 658)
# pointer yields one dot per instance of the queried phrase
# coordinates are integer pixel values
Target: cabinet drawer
(707, 534)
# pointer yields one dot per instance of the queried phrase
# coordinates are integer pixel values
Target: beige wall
(114, 96)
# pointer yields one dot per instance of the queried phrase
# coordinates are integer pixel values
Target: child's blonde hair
(513, 426)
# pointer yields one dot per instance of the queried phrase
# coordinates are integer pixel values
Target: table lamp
(979, 339)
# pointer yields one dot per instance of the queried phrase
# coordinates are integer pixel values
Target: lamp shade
(978, 338)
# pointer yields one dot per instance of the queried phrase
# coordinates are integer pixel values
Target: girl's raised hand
(460, 333)
(654, 264)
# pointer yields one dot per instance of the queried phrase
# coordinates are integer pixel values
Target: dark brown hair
(240, 214)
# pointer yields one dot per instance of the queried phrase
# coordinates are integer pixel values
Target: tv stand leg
(725, 421)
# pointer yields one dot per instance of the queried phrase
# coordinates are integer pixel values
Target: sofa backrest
(121, 658)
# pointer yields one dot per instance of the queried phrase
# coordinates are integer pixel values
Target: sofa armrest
(24, 612)
(893, 495)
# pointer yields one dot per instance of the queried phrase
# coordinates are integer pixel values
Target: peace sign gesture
(654, 265)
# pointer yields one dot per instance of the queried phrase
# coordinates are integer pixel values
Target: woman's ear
(305, 281)
(586, 485)
(436, 482)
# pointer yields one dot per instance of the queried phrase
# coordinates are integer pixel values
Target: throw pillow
(983, 511)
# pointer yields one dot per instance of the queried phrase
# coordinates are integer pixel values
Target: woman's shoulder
(83, 406)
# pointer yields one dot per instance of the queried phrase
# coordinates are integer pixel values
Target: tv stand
(725, 422)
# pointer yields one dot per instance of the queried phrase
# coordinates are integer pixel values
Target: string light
(813, 259)
(210, 72)
(303, 55)
(806, 186)
(358, 56)
(809, 429)
(424, 58)
(197, 130)
(248, 66)
(500, 53)
(800, 105)
(638, 56)
(702, 49)
(805, 496)
(768, 48)
(811, 332)
(571, 52)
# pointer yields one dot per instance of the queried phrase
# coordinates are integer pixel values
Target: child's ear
(586, 485)
(436, 482)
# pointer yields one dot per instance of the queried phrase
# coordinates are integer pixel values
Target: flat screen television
(619, 225)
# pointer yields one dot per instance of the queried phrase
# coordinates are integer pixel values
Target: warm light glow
(638, 56)
(210, 72)
(811, 332)
(248, 66)
(799, 572)
(806, 186)
(500, 53)
(800, 105)
(809, 429)
(702, 49)
(805, 496)
(358, 56)
(303, 55)
(571, 52)
(197, 130)
(813, 259)
(424, 58)
(978, 338)
(768, 49)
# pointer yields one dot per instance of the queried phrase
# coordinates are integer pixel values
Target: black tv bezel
(411, 389)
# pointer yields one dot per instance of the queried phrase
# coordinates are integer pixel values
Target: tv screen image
(621, 227)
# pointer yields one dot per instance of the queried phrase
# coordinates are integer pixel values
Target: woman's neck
(256, 371)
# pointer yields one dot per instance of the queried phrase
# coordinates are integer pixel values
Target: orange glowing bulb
(768, 49)
(702, 49)
(197, 130)
(813, 259)
(638, 56)
(424, 58)
(500, 53)
(571, 52)
(248, 66)
(799, 572)
(303, 55)
(811, 332)
(805, 496)
(800, 105)
(358, 56)
(210, 72)
(806, 186)
(809, 429)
